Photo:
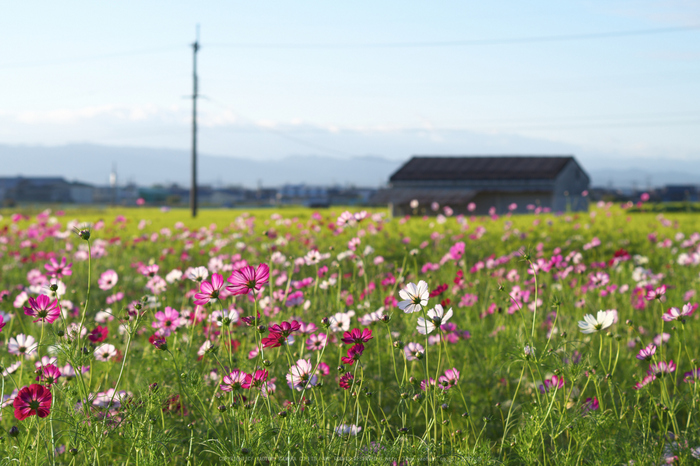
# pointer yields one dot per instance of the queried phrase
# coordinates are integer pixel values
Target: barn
(476, 184)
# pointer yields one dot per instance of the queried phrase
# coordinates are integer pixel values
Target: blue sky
(312, 77)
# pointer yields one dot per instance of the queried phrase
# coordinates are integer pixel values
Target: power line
(465, 43)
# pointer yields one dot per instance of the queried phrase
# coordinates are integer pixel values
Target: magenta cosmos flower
(256, 380)
(43, 308)
(32, 400)
(354, 354)
(247, 279)
(58, 270)
(209, 290)
(107, 280)
(356, 336)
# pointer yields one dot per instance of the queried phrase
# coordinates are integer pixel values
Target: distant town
(23, 191)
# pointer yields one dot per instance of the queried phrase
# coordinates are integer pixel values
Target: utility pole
(193, 189)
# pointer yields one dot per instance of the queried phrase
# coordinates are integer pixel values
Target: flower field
(295, 336)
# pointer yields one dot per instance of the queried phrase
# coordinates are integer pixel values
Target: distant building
(679, 193)
(52, 190)
(555, 183)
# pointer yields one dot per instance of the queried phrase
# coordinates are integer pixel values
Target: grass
(517, 286)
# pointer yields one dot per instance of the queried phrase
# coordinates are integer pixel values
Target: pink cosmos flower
(209, 290)
(646, 353)
(233, 381)
(49, 374)
(675, 314)
(555, 382)
(316, 342)
(58, 270)
(32, 400)
(448, 380)
(166, 321)
(114, 298)
(108, 279)
(354, 354)
(413, 351)
(2, 323)
(645, 381)
(661, 368)
(300, 375)
(43, 308)
(247, 279)
(357, 337)
(658, 293)
(255, 380)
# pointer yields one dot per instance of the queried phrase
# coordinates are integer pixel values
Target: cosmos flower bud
(326, 322)
(222, 408)
(13, 432)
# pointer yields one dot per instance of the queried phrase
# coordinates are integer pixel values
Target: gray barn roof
(422, 168)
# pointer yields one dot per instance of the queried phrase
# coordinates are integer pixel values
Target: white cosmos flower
(22, 345)
(414, 297)
(105, 352)
(436, 317)
(344, 429)
(591, 324)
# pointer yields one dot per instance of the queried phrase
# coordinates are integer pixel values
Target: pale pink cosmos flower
(105, 352)
(647, 353)
(247, 279)
(448, 380)
(108, 279)
(661, 368)
(675, 314)
(167, 321)
(413, 351)
(300, 375)
(58, 270)
(316, 342)
(22, 345)
(209, 290)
